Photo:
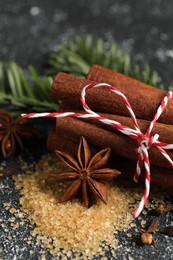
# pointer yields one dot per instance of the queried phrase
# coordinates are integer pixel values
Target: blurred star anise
(12, 132)
(87, 173)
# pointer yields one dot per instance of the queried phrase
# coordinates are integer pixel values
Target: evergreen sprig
(24, 93)
(76, 57)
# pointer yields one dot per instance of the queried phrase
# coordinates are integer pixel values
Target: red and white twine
(145, 141)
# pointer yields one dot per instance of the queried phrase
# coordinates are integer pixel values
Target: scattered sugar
(70, 229)
(71, 226)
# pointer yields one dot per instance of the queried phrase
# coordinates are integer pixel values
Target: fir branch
(22, 94)
(77, 56)
(32, 93)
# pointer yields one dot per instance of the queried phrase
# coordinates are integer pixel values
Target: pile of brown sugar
(71, 226)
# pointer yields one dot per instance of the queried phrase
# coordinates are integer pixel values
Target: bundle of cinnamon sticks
(144, 100)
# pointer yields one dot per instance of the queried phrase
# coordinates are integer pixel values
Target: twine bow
(144, 140)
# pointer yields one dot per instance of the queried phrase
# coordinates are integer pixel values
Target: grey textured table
(29, 30)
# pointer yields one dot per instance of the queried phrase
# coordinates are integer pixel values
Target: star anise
(87, 175)
(12, 133)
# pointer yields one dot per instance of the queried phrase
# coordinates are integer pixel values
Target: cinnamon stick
(100, 74)
(160, 177)
(164, 131)
(144, 102)
(119, 143)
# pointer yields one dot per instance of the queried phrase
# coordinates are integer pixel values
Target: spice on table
(87, 173)
(147, 236)
(145, 103)
(163, 208)
(12, 132)
(168, 231)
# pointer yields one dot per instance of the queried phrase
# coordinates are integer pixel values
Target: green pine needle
(78, 55)
(22, 94)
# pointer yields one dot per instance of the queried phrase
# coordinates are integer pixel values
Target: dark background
(30, 30)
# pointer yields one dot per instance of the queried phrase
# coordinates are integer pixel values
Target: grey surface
(29, 30)
(144, 28)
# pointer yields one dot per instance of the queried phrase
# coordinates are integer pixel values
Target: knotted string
(144, 140)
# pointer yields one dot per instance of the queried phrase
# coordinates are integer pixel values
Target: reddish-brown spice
(12, 132)
(147, 236)
(143, 102)
(87, 173)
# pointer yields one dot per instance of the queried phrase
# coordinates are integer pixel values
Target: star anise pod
(12, 132)
(87, 173)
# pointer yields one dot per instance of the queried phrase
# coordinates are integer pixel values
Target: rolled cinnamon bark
(120, 144)
(160, 177)
(144, 102)
(164, 131)
(101, 74)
